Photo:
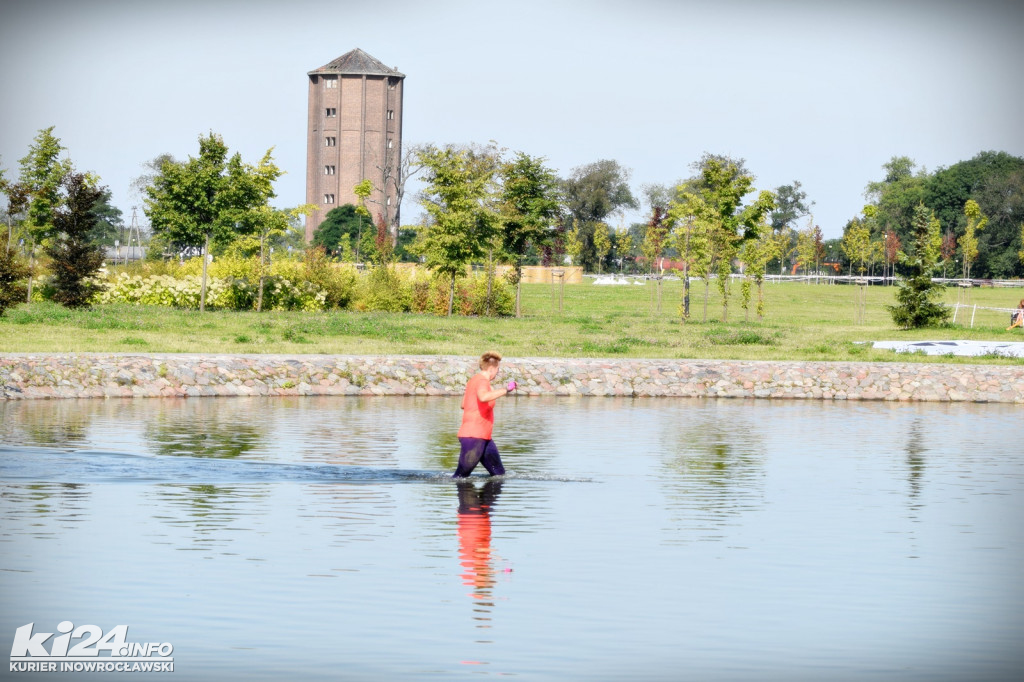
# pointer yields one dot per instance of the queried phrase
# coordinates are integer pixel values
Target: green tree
(340, 224)
(459, 201)
(995, 180)
(756, 254)
(529, 208)
(12, 272)
(591, 194)
(209, 197)
(109, 223)
(689, 218)
(976, 221)
(917, 297)
(856, 242)
(574, 243)
(1020, 254)
(897, 195)
(76, 259)
(42, 172)
(602, 243)
(805, 247)
(722, 185)
(363, 190)
(268, 224)
(790, 205)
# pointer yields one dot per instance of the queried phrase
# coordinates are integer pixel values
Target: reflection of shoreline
(475, 553)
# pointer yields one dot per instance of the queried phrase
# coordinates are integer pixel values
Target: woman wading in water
(478, 419)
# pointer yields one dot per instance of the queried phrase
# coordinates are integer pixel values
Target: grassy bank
(803, 322)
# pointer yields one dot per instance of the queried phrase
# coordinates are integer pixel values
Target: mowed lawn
(802, 322)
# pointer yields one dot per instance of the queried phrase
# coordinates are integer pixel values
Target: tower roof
(359, 63)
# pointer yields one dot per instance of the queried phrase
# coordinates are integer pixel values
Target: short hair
(490, 359)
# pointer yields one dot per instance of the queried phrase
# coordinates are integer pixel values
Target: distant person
(1017, 317)
(478, 419)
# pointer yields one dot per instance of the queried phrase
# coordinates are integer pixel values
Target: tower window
(331, 112)
(330, 141)
(328, 198)
(328, 170)
(391, 144)
(391, 114)
(330, 81)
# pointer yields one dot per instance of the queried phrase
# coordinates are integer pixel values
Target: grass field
(803, 322)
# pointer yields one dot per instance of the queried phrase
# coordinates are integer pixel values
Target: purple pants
(474, 451)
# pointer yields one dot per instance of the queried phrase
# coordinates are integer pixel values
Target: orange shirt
(477, 417)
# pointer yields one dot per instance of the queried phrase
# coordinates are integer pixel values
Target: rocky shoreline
(25, 376)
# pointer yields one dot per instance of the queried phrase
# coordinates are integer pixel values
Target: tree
(396, 172)
(76, 259)
(722, 184)
(756, 253)
(529, 207)
(151, 171)
(109, 224)
(12, 272)
(591, 193)
(856, 242)
(1020, 254)
(790, 205)
(691, 232)
(916, 300)
(806, 247)
(363, 190)
(948, 250)
(655, 236)
(897, 195)
(458, 198)
(42, 173)
(602, 243)
(574, 243)
(891, 248)
(995, 180)
(976, 221)
(209, 197)
(344, 225)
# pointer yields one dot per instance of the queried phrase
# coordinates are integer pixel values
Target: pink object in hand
(511, 386)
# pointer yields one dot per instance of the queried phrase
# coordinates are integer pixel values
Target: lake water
(665, 539)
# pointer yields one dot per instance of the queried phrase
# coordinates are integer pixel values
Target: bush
(384, 289)
(12, 273)
(337, 282)
(430, 294)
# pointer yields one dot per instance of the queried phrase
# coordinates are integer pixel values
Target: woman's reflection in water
(475, 555)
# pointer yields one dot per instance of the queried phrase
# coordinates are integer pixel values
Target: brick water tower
(355, 133)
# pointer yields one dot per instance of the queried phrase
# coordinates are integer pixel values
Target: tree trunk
(259, 299)
(707, 284)
(519, 285)
(490, 279)
(760, 300)
(31, 273)
(451, 296)
(202, 290)
(686, 291)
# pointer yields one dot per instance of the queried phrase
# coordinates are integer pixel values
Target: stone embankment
(100, 375)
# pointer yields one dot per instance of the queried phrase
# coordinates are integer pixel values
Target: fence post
(972, 315)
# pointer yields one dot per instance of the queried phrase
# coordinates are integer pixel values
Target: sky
(823, 93)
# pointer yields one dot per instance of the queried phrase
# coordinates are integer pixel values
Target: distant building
(355, 133)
